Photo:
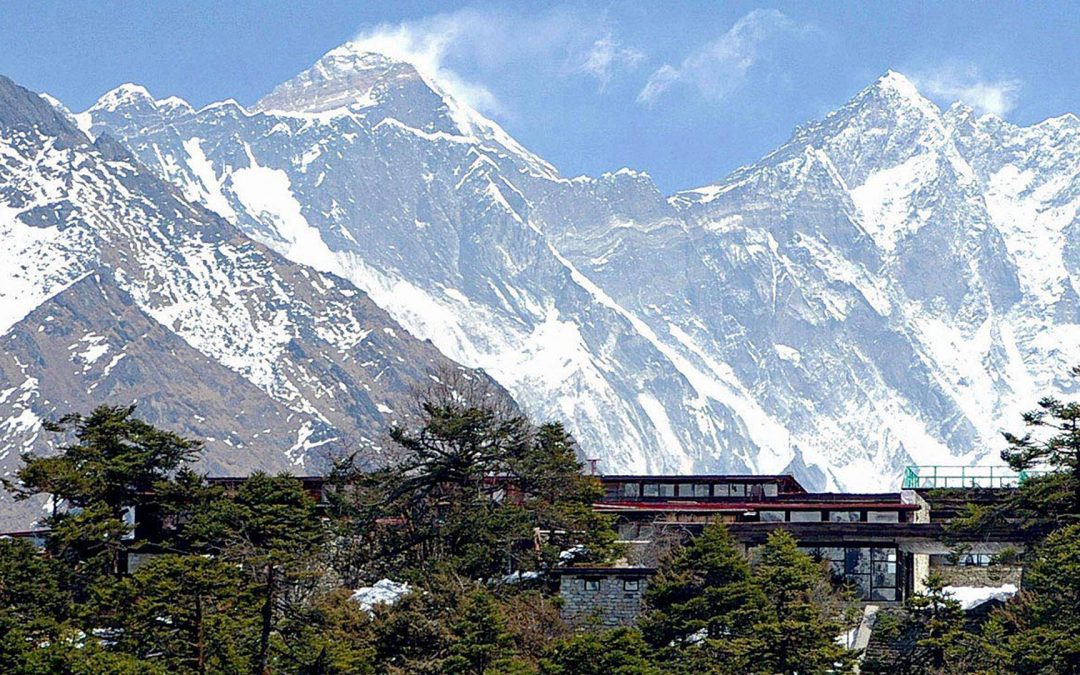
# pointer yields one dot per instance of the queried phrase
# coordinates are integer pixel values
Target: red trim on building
(775, 505)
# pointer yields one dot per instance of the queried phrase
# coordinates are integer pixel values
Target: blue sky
(686, 91)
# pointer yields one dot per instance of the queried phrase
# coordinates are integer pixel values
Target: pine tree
(117, 462)
(804, 615)
(331, 635)
(1049, 498)
(1059, 453)
(620, 651)
(34, 606)
(272, 530)
(480, 642)
(189, 611)
(940, 621)
(1041, 630)
(703, 604)
(477, 490)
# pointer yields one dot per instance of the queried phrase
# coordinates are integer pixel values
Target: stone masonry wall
(965, 575)
(609, 605)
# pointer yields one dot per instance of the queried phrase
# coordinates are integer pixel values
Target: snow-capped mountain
(890, 286)
(428, 207)
(114, 288)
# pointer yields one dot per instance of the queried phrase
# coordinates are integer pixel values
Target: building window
(667, 490)
(771, 516)
(806, 516)
(686, 489)
(630, 584)
(870, 571)
(771, 490)
(592, 584)
(844, 517)
(701, 489)
(965, 559)
(738, 490)
(652, 490)
(631, 489)
(883, 516)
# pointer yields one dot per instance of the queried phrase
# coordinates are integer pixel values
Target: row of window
(627, 584)
(699, 490)
(828, 516)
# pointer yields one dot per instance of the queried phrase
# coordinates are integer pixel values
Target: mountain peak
(347, 77)
(898, 83)
(125, 95)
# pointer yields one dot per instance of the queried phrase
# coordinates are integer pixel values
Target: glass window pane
(667, 490)
(861, 584)
(885, 554)
(883, 516)
(844, 516)
(686, 489)
(738, 490)
(770, 489)
(701, 490)
(857, 560)
(883, 594)
(806, 516)
(652, 490)
(772, 516)
(630, 489)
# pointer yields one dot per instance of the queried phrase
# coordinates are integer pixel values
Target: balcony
(938, 476)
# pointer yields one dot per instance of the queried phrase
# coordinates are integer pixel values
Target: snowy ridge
(162, 286)
(890, 286)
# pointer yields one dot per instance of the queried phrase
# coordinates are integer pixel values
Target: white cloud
(427, 44)
(575, 42)
(720, 66)
(606, 56)
(966, 84)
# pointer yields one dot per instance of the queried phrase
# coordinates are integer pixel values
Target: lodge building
(882, 545)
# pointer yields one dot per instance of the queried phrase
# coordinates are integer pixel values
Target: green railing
(935, 476)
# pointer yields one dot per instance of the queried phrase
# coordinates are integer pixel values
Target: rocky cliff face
(891, 285)
(116, 289)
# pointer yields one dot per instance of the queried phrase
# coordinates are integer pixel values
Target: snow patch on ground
(970, 597)
(884, 203)
(267, 195)
(788, 353)
(209, 191)
(383, 592)
(93, 347)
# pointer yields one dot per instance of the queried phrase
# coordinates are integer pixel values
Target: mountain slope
(890, 286)
(304, 356)
(427, 207)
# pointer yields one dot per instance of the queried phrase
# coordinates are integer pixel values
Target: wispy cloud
(564, 42)
(606, 56)
(967, 85)
(720, 66)
(427, 44)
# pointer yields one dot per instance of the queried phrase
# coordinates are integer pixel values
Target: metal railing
(940, 476)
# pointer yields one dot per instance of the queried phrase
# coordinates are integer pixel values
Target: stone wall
(610, 604)
(973, 576)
